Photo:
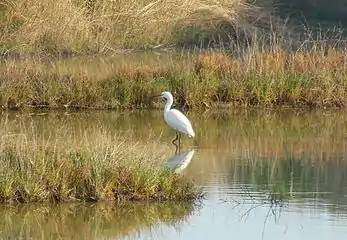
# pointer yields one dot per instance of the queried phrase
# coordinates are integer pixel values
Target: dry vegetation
(259, 72)
(99, 167)
(91, 26)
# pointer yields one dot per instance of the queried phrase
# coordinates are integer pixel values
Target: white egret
(176, 119)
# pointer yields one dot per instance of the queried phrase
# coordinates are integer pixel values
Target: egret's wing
(177, 120)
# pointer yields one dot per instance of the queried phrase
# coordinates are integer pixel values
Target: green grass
(105, 168)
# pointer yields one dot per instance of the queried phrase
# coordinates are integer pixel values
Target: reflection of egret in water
(179, 162)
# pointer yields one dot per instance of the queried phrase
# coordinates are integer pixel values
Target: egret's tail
(191, 133)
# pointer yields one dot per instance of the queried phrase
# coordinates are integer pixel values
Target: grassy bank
(315, 78)
(105, 168)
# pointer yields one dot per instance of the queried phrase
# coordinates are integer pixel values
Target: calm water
(267, 175)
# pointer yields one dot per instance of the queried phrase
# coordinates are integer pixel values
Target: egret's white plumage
(174, 118)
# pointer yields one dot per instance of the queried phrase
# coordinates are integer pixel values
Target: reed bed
(212, 79)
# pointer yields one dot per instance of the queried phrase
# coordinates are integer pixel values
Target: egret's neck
(168, 105)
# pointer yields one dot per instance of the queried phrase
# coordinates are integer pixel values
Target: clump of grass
(87, 26)
(104, 169)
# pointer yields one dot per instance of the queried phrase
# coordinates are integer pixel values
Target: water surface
(267, 175)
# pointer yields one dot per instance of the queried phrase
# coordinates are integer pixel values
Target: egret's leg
(179, 140)
(175, 139)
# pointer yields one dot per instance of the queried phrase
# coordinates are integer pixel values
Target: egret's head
(166, 95)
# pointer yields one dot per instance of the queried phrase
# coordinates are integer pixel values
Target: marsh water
(266, 175)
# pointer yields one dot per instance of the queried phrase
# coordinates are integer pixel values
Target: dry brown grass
(105, 26)
(278, 77)
(301, 62)
(277, 61)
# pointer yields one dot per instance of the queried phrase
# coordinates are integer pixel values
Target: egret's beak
(155, 96)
